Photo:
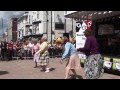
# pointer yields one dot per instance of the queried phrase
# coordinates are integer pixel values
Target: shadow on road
(3, 72)
(76, 77)
(114, 72)
(52, 69)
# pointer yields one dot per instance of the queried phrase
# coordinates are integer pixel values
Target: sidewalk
(23, 69)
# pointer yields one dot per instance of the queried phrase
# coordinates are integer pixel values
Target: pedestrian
(35, 48)
(3, 49)
(94, 63)
(10, 50)
(25, 46)
(44, 55)
(30, 46)
(70, 51)
(20, 50)
(14, 49)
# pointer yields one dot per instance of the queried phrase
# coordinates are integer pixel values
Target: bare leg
(74, 72)
(67, 72)
(35, 64)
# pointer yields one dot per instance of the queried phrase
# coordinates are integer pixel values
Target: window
(19, 33)
(36, 28)
(29, 19)
(65, 12)
(59, 26)
(37, 14)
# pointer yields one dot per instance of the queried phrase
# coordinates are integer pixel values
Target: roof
(93, 15)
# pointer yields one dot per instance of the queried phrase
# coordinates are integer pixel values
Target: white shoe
(47, 70)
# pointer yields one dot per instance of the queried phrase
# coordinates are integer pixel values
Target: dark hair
(88, 30)
(66, 35)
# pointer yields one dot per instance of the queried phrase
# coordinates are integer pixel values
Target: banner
(118, 66)
(80, 38)
(81, 26)
(107, 64)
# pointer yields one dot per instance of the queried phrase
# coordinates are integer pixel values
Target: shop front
(106, 28)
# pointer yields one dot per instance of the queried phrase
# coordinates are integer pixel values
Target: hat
(66, 35)
(59, 40)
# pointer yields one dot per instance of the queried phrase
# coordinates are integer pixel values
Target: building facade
(5, 34)
(49, 23)
(12, 30)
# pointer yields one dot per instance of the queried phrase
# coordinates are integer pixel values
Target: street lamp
(65, 24)
(47, 23)
(51, 28)
(2, 27)
(72, 26)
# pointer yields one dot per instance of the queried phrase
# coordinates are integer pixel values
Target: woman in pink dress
(36, 47)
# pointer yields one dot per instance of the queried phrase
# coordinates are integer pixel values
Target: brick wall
(14, 29)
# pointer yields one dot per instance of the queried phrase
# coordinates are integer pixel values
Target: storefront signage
(81, 26)
(80, 38)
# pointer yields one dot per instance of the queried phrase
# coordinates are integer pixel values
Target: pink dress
(35, 49)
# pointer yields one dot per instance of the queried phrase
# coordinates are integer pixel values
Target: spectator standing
(10, 50)
(3, 49)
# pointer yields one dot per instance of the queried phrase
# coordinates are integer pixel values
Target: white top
(30, 45)
(25, 47)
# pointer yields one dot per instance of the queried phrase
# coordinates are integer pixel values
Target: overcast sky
(7, 15)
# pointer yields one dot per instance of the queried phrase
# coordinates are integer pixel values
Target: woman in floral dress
(94, 63)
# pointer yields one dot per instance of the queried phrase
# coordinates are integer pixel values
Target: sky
(6, 16)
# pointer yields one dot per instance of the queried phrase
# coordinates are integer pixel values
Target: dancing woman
(73, 62)
(94, 63)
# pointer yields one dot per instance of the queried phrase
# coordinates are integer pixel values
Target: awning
(33, 35)
(93, 15)
(36, 22)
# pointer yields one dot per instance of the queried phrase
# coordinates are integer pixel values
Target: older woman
(44, 55)
(73, 63)
(94, 63)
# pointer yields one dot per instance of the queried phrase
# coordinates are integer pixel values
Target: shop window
(59, 26)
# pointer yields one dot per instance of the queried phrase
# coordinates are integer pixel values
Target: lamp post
(72, 26)
(47, 23)
(2, 25)
(65, 24)
(51, 28)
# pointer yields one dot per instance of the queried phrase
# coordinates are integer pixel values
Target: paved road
(23, 69)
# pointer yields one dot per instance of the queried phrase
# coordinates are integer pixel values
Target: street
(23, 69)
